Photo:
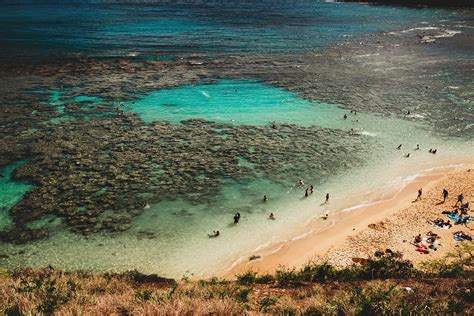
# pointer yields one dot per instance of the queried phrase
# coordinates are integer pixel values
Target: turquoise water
(11, 192)
(234, 102)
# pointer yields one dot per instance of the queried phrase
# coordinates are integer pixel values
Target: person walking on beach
(327, 198)
(445, 195)
(460, 199)
(420, 192)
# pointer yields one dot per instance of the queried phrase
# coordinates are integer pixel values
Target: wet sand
(389, 223)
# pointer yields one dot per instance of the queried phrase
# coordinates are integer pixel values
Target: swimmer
(417, 147)
(272, 216)
(399, 147)
(325, 216)
(408, 112)
(345, 116)
(265, 198)
(300, 183)
(215, 233)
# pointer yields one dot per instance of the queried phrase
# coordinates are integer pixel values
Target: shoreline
(330, 239)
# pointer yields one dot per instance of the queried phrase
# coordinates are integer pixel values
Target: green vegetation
(385, 285)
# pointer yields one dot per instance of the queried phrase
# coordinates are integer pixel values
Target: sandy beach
(390, 223)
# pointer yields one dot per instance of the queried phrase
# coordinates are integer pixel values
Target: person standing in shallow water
(265, 198)
(445, 195)
(236, 218)
(311, 189)
(327, 198)
(306, 194)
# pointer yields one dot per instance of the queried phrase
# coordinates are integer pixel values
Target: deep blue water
(169, 30)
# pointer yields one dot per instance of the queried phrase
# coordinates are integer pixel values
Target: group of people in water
(459, 214)
(432, 151)
(300, 184)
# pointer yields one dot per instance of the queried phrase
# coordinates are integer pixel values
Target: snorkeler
(214, 234)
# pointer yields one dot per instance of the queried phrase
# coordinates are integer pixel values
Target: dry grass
(48, 291)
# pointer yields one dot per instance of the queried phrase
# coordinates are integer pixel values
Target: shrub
(285, 277)
(264, 279)
(318, 272)
(243, 295)
(247, 278)
(387, 266)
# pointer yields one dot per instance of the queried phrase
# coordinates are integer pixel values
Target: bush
(285, 277)
(322, 272)
(247, 278)
(243, 295)
(265, 279)
(387, 266)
